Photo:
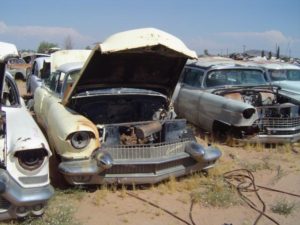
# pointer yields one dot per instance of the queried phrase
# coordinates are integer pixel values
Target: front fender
(214, 107)
(61, 123)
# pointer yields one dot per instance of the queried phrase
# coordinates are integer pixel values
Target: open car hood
(143, 58)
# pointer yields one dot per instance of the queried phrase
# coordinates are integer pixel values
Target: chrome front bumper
(109, 167)
(17, 202)
(272, 138)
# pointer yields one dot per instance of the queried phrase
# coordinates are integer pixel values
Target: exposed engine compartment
(121, 108)
(131, 119)
(276, 114)
(253, 97)
(267, 103)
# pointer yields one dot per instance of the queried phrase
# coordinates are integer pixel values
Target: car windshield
(235, 77)
(278, 75)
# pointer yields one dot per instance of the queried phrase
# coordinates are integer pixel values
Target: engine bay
(253, 97)
(268, 104)
(131, 119)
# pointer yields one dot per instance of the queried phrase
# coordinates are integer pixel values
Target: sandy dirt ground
(172, 202)
(282, 173)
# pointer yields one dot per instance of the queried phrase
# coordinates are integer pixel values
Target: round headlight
(31, 159)
(247, 113)
(80, 139)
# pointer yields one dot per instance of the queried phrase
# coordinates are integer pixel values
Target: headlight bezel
(80, 139)
(31, 160)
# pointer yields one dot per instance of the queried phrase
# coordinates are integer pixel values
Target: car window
(27, 59)
(55, 81)
(234, 77)
(16, 61)
(293, 75)
(193, 77)
(277, 75)
(45, 71)
(10, 95)
(35, 69)
(70, 79)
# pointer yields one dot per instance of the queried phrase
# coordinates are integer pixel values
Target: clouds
(272, 36)
(236, 41)
(33, 35)
(29, 37)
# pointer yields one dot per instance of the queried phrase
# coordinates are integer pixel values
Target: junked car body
(114, 122)
(15, 65)
(24, 158)
(285, 75)
(232, 99)
(18, 68)
(40, 70)
(29, 58)
(42, 67)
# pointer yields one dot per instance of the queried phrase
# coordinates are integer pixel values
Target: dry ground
(169, 203)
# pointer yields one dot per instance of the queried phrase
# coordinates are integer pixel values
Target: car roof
(68, 67)
(61, 57)
(220, 63)
(275, 65)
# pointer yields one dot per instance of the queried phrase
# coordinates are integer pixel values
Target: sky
(220, 26)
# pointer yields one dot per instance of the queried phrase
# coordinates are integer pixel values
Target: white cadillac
(113, 120)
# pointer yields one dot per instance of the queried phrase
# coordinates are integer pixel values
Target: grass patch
(258, 147)
(100, 195)
(280, 174)
(283, 207)
(256, 166)
(216, 193)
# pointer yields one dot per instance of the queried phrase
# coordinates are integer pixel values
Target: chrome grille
(286, 123)
(149, 151)
(4, 204)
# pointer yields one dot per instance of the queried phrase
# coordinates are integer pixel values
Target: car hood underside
(146, 59)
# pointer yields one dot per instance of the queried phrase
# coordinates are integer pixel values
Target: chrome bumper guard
(22, 201)
(110, 169)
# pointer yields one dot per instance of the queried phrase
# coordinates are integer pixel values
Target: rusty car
(233, 101)
(43, 66)
(113, 120)
(24, 159)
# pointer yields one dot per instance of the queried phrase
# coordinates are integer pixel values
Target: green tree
(44, 46)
